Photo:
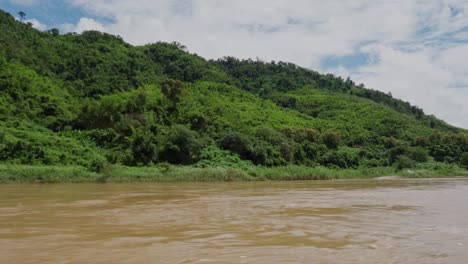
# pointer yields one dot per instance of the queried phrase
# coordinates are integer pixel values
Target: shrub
(334, 159)
(270, 135)
(395, 152)
(300, 135)
(331, 139)
(313, 151)
(418, 154)
(464, 160)
(144, 148)
(237, 143)
(404, 162)
(182, 146)
(98, 164)
(212, 156)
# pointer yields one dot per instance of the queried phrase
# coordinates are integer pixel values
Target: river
(361, 221)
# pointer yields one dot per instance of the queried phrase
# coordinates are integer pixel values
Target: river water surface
(369, 221)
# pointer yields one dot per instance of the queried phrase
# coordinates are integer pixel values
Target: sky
(415, 49)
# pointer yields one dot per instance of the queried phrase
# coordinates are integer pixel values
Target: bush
(343, 158)
(464, 160)
(404, 162)
(173, 90)
(270, 135)
(331, 139)
(259, 151)
(144, 148)
(334, 159)
(237, 143)
(183, 146)
(212, 156)
(418, 154)
(265, 154)
(102, 137)
(98, 164)
(25, 143)
(313, 151)
(300, 135)
(396, 152)
(286, 147)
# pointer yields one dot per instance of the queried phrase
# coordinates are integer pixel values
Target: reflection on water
(400, 221)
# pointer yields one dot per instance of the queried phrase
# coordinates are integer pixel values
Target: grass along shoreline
(12, 173)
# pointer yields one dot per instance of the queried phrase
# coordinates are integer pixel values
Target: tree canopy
(91, 98)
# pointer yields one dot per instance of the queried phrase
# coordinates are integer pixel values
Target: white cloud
(415, 77)
(413, 43)
(36, 24)
(83, 25)
(301, 32)
(454, 60)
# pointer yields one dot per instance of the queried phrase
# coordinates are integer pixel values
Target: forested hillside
(91, 99)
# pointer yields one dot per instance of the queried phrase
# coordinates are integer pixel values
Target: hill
(92, 99)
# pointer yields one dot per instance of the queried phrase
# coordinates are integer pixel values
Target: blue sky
(414, 49)
(50, 13)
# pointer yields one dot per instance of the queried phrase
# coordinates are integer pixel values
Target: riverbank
(11, 173)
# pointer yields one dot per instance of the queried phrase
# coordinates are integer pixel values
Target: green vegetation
(90, 107)
(170, 173)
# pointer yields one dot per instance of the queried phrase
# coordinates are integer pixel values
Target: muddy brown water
(368, 221)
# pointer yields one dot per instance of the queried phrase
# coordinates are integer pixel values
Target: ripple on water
(396, 221)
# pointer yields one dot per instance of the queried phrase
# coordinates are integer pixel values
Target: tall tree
(22, 15)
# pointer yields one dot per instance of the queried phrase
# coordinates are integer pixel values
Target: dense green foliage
(91, 100)
(12, 173)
